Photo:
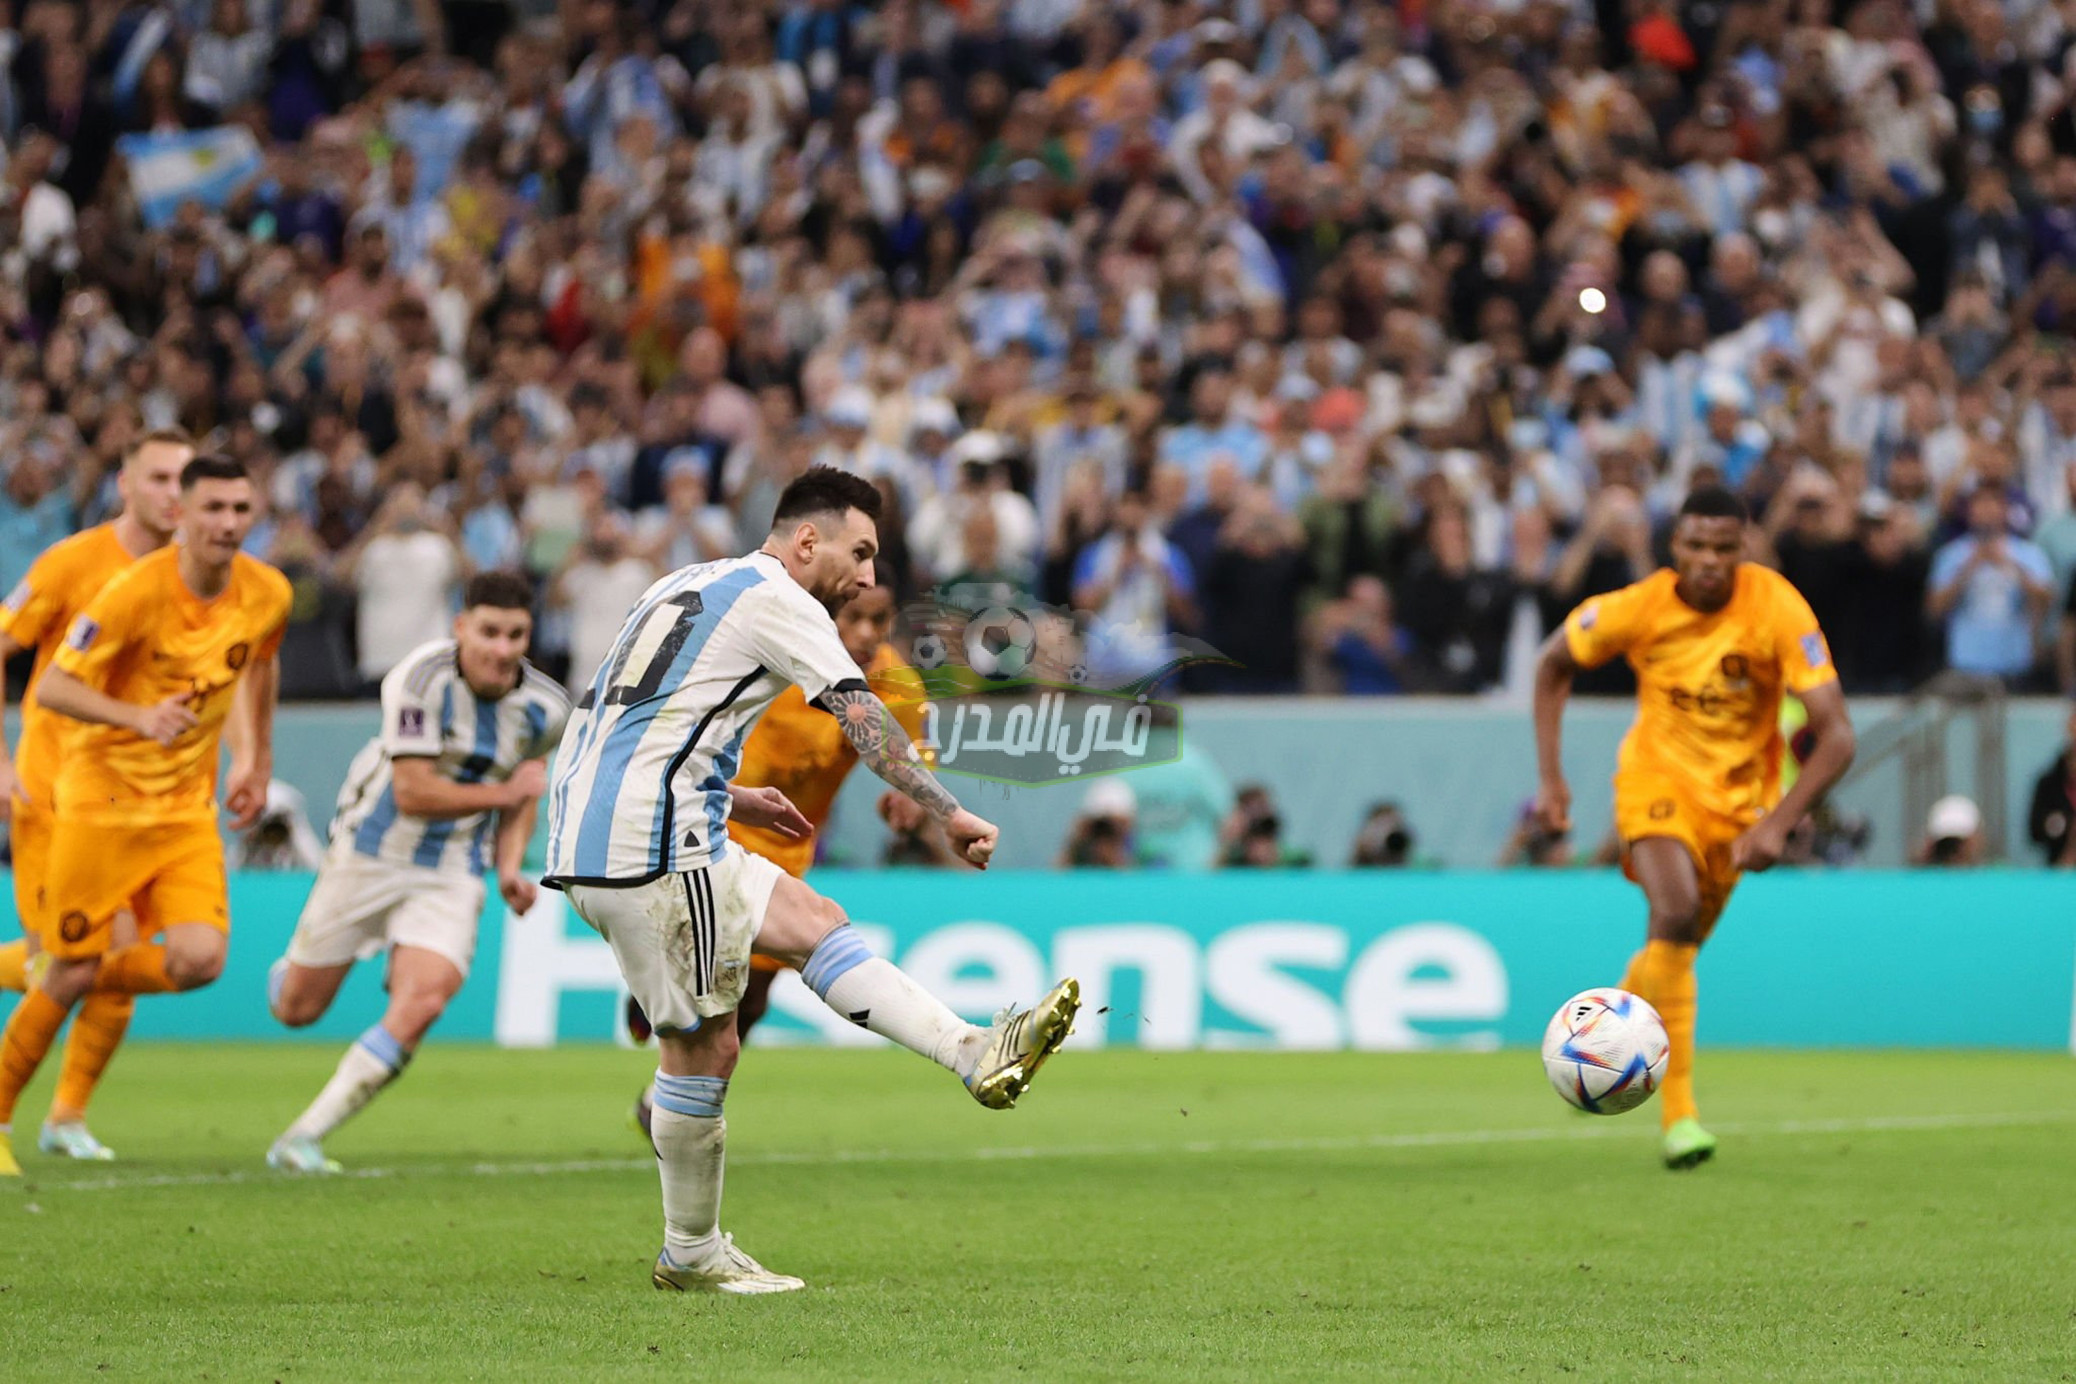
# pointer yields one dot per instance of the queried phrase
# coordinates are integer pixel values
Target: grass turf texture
(1156, 1216)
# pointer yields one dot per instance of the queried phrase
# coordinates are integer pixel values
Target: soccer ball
(1000, 642)
(930, 651)
(1605, 1051)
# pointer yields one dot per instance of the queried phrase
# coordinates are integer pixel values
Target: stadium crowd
(1357, 340)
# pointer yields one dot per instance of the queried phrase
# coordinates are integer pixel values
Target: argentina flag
(206, 166)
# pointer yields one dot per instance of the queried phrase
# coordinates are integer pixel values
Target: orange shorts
(167, 873)
(1648, 805)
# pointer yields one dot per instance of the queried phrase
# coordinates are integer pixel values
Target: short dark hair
(826, 490)
(212, 466)
(1713, 502)
(171, 437)
(499, 590)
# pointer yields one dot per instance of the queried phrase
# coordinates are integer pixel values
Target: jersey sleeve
(1805, 659)
(35, 605)
(276, 606)
(114, 621)
(411, 699)
(796, 639)
(1609, 625)
(556, 709)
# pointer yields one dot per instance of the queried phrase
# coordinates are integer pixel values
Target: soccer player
(802, 752)
(36, 615)
(446, 789)
(148, 674)
(638, 816)
(1715, 642)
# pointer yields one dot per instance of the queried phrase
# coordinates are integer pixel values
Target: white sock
(374, 1060)
(691, 1139)
(878, 996)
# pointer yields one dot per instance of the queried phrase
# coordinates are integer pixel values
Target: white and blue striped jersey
(429, 712)
(641, 782)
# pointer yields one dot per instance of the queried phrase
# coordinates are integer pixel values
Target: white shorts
(362, 905)
(683, 941)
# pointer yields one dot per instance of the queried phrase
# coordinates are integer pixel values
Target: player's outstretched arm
(422, 791)
(884, 747)
(59, 691)
(1831, 751)
(1555, 667)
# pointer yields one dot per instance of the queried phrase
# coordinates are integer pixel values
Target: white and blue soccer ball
(1605, 1051)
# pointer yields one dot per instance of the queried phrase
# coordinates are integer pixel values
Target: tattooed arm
(884, 747)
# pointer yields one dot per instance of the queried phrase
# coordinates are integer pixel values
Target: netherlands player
(446, 790)
(1715, 642)
(37, 615)
(638, 819)
(149, 673)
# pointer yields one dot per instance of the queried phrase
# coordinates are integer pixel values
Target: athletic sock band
(698, 1096)
(842, 951)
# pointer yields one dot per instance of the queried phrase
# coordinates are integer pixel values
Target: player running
(446, 790)
(638, 817)
(149, 673)
(36, 616)
(802, 752)
(1715, 642)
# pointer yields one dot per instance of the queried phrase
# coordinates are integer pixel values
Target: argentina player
(638, 817)
(447, 789)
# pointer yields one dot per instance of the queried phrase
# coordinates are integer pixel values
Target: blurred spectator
(1361, 648)
(1251, 591)
(1138, 588)
(1456, 614)
(1384, 840)
(1991, 589)
(1953, 834)
(1532, 845)
(601, 583)
(407, 573)
(2051, 820)
(1101, 836)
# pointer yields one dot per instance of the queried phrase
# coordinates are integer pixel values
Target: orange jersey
(1709, 686)
(801, 751)
(36, 615)
(145, 638)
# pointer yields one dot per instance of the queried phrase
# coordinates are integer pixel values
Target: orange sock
(14, 965)
(1633, 977)
(97, 1030)
(1665, 978)
(136, 970)
(30, 1032)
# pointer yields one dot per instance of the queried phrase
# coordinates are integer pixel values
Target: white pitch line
(1447, 1138)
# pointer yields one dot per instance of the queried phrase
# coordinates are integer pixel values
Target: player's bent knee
(194, 957)
(1676, 920)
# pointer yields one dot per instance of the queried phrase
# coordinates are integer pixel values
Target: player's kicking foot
(722, 1269)
(1018, 1044)
(1688, 1145)
(295, 1155)
(8, 1167)
(72, 1139)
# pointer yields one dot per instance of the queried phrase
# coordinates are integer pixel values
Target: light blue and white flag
(206, 166)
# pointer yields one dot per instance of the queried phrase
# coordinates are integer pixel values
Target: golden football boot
(1018, 1043)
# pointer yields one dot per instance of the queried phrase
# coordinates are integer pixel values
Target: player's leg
(1664, 975)
(15, 958)
(98, 1027)
(756, 998)
(187, 890)
(678, 962)
(690, 1135)
(803, 928)
(421, 983)
(87, 879)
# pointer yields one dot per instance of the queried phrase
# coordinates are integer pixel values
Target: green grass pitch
(1144, 1216)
